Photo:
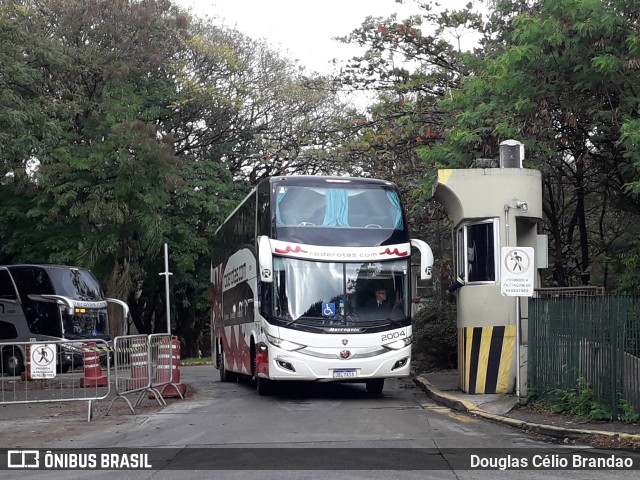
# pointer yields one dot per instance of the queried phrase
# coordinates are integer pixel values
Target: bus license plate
(345, 373)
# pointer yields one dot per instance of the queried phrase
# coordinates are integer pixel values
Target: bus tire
(12, 361)
(225, 375)
(375, 386)
(264, 386)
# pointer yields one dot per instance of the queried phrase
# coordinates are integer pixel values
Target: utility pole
(166, 274)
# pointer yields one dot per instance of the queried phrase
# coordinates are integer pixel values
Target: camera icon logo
(23, 459)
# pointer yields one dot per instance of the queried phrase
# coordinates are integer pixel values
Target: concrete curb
(458, 404)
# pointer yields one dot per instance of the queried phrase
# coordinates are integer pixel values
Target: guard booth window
(476, 251)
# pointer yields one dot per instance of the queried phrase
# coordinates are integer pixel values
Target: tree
(411, 65)
(25, 123)
(129, 125)
(561, 77)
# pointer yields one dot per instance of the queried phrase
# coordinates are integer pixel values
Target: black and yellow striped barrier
(97, 349)
(133, 349)
(484, 358)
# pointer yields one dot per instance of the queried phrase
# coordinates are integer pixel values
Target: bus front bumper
(347, 365)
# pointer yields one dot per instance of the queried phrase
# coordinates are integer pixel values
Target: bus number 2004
(391, 336)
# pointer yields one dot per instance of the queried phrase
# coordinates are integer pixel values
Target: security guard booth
(492, 208)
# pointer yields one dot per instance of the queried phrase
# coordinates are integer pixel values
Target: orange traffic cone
(139, 358)
(93, 376)
(175, 388)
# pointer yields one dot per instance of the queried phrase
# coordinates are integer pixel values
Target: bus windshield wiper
(395, 322)
(303, 318)
(290, 322)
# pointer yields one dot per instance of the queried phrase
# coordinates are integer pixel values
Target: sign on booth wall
(517, 271)
(43, 360)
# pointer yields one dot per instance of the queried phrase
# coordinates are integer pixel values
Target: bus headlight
(398, 344)
(284, 344)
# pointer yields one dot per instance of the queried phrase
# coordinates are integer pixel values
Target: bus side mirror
(59, 299)
(426, 258)
(265, 260)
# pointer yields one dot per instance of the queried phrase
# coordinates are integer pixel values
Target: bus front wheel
(375, 386)
(263, 386)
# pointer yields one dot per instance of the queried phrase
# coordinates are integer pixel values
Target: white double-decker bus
(297, 271)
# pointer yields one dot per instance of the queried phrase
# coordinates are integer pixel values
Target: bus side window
(265, 299)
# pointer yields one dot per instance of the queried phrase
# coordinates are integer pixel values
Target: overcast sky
(303, 29)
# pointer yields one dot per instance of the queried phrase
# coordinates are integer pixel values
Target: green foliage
(195, 361)
(630, 277)
(562, 77)
(126, 125)
(435, 334)
(627, 414)
(578, 402)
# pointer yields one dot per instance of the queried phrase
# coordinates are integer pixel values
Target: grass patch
(195, 361)
(578, 402)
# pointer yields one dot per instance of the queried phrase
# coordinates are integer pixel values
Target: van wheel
(375, 386)
(63, 368)
(12, 361)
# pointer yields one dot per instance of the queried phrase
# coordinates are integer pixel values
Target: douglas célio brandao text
(569, 461)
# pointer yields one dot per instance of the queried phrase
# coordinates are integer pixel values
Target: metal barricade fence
(80, 370)
(160, 359)
(133, 365)
(55, 371)
(165, 354)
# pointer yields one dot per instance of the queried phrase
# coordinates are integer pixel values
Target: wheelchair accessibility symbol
(328, 309)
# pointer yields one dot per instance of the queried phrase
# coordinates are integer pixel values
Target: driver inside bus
(380, 301)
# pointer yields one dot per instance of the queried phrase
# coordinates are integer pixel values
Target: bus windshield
(333, 294)
(344, 207)
(77, 284)
(90, 322)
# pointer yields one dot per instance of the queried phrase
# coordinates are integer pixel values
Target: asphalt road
(358, 431)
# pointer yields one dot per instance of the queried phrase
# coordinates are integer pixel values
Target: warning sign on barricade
(43, 360)
(53, 367)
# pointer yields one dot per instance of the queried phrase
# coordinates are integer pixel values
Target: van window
(31, 280)
(7, 292)
(7, 331)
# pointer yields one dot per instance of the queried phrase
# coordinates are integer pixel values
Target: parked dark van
(50, 302)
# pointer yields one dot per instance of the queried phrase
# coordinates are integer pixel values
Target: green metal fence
(593, 338)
